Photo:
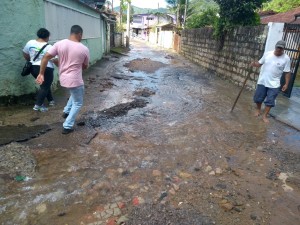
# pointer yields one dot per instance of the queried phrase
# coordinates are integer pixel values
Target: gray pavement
(287, 110)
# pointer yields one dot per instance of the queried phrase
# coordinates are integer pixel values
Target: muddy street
(155, 144)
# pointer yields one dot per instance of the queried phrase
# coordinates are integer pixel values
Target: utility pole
(121, 15)
(128, 21)
(185, 11)
(112, 5)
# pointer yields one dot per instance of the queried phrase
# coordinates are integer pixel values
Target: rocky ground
(155, 143)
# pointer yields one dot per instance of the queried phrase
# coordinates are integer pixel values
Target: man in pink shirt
(73, 57)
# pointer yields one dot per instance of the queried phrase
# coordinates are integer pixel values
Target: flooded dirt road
(155, 144)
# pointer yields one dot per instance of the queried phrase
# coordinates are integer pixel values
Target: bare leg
(265, 115)
(258, 108)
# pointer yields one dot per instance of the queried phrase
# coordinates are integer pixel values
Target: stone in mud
(121, 205)
(253, 216)
(117, 212)
(156, 173)
(293, 181)
(61, 214)
(86, 183)
(221, 186)
(144, 92)
(172, 191)
(41, 208)
(259, 148)
(238, 209)
(185, 175)
(208, 169)
(176, 187)
(122, 220)
(237, 172)
(227, 206)
(163, 195)
(137, 201)
(212, 173)
(111, 173)
(197, 166)
(219, 171)
(102, 186)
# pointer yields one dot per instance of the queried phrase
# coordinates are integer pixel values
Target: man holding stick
(274, 64)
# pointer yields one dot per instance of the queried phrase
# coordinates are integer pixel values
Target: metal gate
(292, 37)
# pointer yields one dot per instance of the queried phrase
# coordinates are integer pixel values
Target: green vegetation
(202, 13)
(281, 5)
(207, 17)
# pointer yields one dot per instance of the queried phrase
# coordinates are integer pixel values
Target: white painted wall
(66, 16)
(275, 34)
(165, 39)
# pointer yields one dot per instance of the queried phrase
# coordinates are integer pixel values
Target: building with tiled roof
(292, 16)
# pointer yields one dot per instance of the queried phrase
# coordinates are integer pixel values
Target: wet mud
(20, 133)
(160, 214)
(16, 160)
(96, 119)
(145, 65)
(159, 147)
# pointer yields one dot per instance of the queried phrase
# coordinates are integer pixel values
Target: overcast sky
(153, 4)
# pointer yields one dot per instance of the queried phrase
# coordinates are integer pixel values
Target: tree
(202, 13)
(207, 17)
(241, 12)
(178, 7)
(236, 13)
(281, 5)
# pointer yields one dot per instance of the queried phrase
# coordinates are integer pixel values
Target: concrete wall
(160, 38)
(241, 47)
(275, 34)
(73, 12)
(19, 21)
(165, 39)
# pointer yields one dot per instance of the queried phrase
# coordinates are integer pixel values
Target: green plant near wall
(281, 5)
(208, 17)
(236, 13)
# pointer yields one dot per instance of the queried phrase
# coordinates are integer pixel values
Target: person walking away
(73, 57)
(274, 65)
(30, 50)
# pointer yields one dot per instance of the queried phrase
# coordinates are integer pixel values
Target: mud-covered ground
(155, 143)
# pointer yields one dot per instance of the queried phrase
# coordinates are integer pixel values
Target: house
(94, 4)
(292, 17)
(143, 23)
(19, 25)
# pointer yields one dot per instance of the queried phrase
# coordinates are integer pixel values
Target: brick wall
(242, 46)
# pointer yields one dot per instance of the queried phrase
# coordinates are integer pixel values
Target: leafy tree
(241, 12)
(207, 17)
(201, 13)
(177, 7)
(281, 5)
(236, 13)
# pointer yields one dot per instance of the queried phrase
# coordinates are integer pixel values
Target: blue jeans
(268, 95)
(73, 106)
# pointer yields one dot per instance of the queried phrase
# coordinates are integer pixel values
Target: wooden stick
(244, 84)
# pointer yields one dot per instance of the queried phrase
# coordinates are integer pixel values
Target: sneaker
(52, 103)
(67, 131)
(40, 108)
(65, 115)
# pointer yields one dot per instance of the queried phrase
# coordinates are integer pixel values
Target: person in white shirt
(30, 50)
(273, 65)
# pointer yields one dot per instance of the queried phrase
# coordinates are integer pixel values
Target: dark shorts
(268, 95)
